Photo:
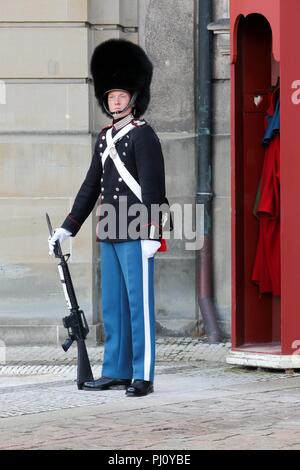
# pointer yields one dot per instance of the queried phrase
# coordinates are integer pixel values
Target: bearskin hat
(120, 64)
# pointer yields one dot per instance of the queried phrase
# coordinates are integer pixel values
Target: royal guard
(127, 176)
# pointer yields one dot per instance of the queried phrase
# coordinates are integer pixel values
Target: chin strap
(116, 114)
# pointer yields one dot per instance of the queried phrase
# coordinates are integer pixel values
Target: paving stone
(200, 402)
(167, 349)
(195, 406)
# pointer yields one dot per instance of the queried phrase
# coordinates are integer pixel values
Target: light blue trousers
(127, 281)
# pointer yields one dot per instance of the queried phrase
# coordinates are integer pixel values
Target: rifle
(75, 322)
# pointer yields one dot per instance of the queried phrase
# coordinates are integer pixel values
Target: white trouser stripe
(147, 333)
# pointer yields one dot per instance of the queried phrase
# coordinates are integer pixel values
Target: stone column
(166, 31)
(221, 164)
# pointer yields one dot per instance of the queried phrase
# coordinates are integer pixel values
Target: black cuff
(72, 225)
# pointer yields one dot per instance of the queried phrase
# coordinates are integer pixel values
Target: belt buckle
(113, 152)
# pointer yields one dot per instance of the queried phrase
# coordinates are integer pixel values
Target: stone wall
(48, 122)
(166, 32)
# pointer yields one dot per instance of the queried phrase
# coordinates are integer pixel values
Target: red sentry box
(265, 42)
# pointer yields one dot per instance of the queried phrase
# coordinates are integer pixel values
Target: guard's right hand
(60, 234)
(149, 247)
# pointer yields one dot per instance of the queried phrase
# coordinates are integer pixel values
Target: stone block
(129, 13)
(54, 107)
(221, 165)
(181, 241)
(224, 320)
(24, 233)
(43, 53)
(105, 12)
(220, 9)
(23, 230)
(32, 294)
(113, 12)
(175, 297)
(92, 339)
(44, 165)
(100, 35)
(221, 109)
(42, 335)
(82, 244)
(180, 162)
(221, 57)
(222, 251)
(168, 37)
(16, 335)
(43, 10)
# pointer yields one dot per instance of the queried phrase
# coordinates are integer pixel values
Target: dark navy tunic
(141, 153)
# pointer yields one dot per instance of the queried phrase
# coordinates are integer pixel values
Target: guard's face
(118, 100)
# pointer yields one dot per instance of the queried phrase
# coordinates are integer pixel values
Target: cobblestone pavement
(196, 405)
(168, 349)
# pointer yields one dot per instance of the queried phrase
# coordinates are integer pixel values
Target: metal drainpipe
(204, 157)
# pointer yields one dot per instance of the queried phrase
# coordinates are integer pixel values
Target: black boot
(139, 388)
(105, 383)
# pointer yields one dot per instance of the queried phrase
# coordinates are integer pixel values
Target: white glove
(149, 247)
(60, 234)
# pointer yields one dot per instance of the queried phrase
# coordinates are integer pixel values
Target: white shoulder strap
(123, 172)
(112, 152)
(111, 140)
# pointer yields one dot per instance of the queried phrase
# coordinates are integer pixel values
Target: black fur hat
(120, 64)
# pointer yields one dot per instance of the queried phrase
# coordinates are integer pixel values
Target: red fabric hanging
(266, 270)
